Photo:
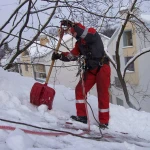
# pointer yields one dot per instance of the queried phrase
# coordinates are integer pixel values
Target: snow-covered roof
(123, 8)
(36, 50)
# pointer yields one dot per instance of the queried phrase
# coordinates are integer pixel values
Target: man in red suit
(97, 69)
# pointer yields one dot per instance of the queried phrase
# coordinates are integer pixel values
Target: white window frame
(39, 73)
(131, 66)
(126, 41)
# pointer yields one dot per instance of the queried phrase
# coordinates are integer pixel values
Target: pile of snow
(23, 140)
(15, 106)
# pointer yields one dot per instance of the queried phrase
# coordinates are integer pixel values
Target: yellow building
(29, 56)
(133, 41)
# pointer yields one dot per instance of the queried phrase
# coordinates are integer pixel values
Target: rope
(43, 133)
(38, 64)
(84, 94)
(54, 133)
(33, 132)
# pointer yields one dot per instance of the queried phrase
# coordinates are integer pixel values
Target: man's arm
(67, 56)
(72, 55)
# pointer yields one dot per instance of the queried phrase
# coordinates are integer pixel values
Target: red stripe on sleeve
(91, 30)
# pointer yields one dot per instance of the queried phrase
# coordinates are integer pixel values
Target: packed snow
(15, 106)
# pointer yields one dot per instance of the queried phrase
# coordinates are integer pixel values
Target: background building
(137, 76)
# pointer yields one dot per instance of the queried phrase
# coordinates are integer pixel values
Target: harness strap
(102, 60)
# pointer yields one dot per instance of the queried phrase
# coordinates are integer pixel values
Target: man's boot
(82, 119)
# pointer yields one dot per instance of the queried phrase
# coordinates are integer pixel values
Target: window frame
(131, 67)
(125, 40)
(40, 68)
(39, 71)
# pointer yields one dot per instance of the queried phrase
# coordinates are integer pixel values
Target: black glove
(56, 56)
(67, 23)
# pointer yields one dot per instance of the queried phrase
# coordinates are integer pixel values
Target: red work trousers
(102, 80)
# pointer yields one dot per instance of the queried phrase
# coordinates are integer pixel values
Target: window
(39, 71)
(117, 83)
(26, 68)
(131, 66)
(39, 76)
(42, 75)
(40, 68)
(119, 101)
(127, 38)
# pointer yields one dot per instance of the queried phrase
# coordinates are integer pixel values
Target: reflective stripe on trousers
(102, 80)
(80, 101)
(104, 110)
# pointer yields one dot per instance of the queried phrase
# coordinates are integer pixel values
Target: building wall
(114, 91)
(25, 72)
(138, 80)
(65, 73)
(144, 71)
(132, 77)
(29, 70)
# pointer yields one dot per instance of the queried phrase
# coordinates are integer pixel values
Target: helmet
(74, 27)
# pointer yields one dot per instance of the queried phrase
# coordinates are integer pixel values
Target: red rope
(40, 133)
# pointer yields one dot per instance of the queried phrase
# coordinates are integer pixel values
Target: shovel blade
(42, 94)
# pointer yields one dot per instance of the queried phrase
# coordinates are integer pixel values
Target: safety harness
(83, 64)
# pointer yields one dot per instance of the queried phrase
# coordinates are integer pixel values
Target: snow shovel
(41, 93)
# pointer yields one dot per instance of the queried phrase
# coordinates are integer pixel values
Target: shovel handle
(56, 50)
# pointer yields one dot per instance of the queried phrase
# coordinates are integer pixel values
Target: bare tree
(26, 19)
(108, 31)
